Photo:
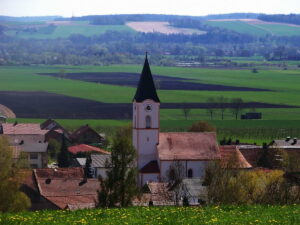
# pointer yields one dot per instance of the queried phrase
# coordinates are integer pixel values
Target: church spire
(146, 88)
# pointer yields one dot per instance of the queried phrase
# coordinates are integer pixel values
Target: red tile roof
(67, 188)
(231, 157)
(65, 173)
(86, 148)
(252, 155)
(151, 167)
(188, 146)
(22, 128)
(74, 202)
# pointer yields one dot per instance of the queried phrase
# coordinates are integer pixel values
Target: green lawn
(257, 29)
(229, 215)
(64, 31)
(283, 83)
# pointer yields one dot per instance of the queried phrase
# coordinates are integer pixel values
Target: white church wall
(198, 168)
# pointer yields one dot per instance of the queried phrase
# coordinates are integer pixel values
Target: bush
(202, 126)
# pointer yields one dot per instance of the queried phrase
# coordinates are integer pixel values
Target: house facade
(157, 152)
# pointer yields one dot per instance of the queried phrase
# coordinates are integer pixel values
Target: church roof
(188, 146)
(146, 88)
(151, 167)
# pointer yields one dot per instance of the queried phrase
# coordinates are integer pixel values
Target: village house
(55, 130)
(86, 135)
(60, 188)
(156, 151)
(29, 139)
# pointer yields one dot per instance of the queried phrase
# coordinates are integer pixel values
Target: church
(157, 151)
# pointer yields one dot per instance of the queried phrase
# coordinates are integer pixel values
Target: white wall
(101, 172)
(145, 139)
(198, 168)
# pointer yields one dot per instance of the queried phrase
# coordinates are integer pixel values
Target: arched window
(148, 122)
(190, 173)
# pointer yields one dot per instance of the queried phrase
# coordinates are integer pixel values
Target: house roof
(151, 167)
(22, 128)
(66, 187)
(56, 173)
(34, 147)
(188, 146)
(146, 88)
(86, 148)
(231, 157)
(100, 161)
(46, 123)
(74, 202)
(83, 129)
(252, 155)
(193, 187)
(287, 143)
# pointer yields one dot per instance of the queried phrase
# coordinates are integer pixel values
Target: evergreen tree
(120, 187)
(88, 167)
(64, 159)
(11, 199)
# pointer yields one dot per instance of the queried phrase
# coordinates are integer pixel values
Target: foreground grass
(162, 215)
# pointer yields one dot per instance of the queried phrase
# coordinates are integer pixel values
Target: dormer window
(148, 122)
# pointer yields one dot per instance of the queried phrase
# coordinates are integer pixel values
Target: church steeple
(146, 88)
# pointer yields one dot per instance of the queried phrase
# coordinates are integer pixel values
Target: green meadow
(229, 215)
(257, 29)
(64, 31)
(283, 86)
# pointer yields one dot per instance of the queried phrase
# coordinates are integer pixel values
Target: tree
(10, 196)
(202, 126)
(88, 167)
(64, 156)
(175, 176)
(236, 106)
(186, 110)
(53, 148)
(211, 106)
(120, 187)
(222, 105)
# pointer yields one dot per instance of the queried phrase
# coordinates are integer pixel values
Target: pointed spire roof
(146, 88)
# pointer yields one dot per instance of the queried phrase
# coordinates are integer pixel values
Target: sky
(67, 8)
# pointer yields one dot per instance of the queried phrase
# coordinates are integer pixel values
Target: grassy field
(276, 122)
(257, 29)
(283, 83)
(229, 215)
(64, 31)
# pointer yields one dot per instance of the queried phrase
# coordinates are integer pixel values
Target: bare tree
(175, 176)
(211, 106)
(186, 110)
(222, 105)
(236, 106)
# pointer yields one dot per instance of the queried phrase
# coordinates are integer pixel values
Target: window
(33, 155)
(190, 173)
(148, 122)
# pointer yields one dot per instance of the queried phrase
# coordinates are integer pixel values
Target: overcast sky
(68, 8)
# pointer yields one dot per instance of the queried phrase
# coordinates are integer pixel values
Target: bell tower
(145, 121)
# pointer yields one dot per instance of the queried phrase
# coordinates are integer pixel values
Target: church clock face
(148, 107)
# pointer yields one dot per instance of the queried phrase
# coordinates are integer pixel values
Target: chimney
(287, 138)
(15, 123)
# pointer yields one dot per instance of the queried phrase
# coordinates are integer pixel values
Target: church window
(190, 173)
(148, 122)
